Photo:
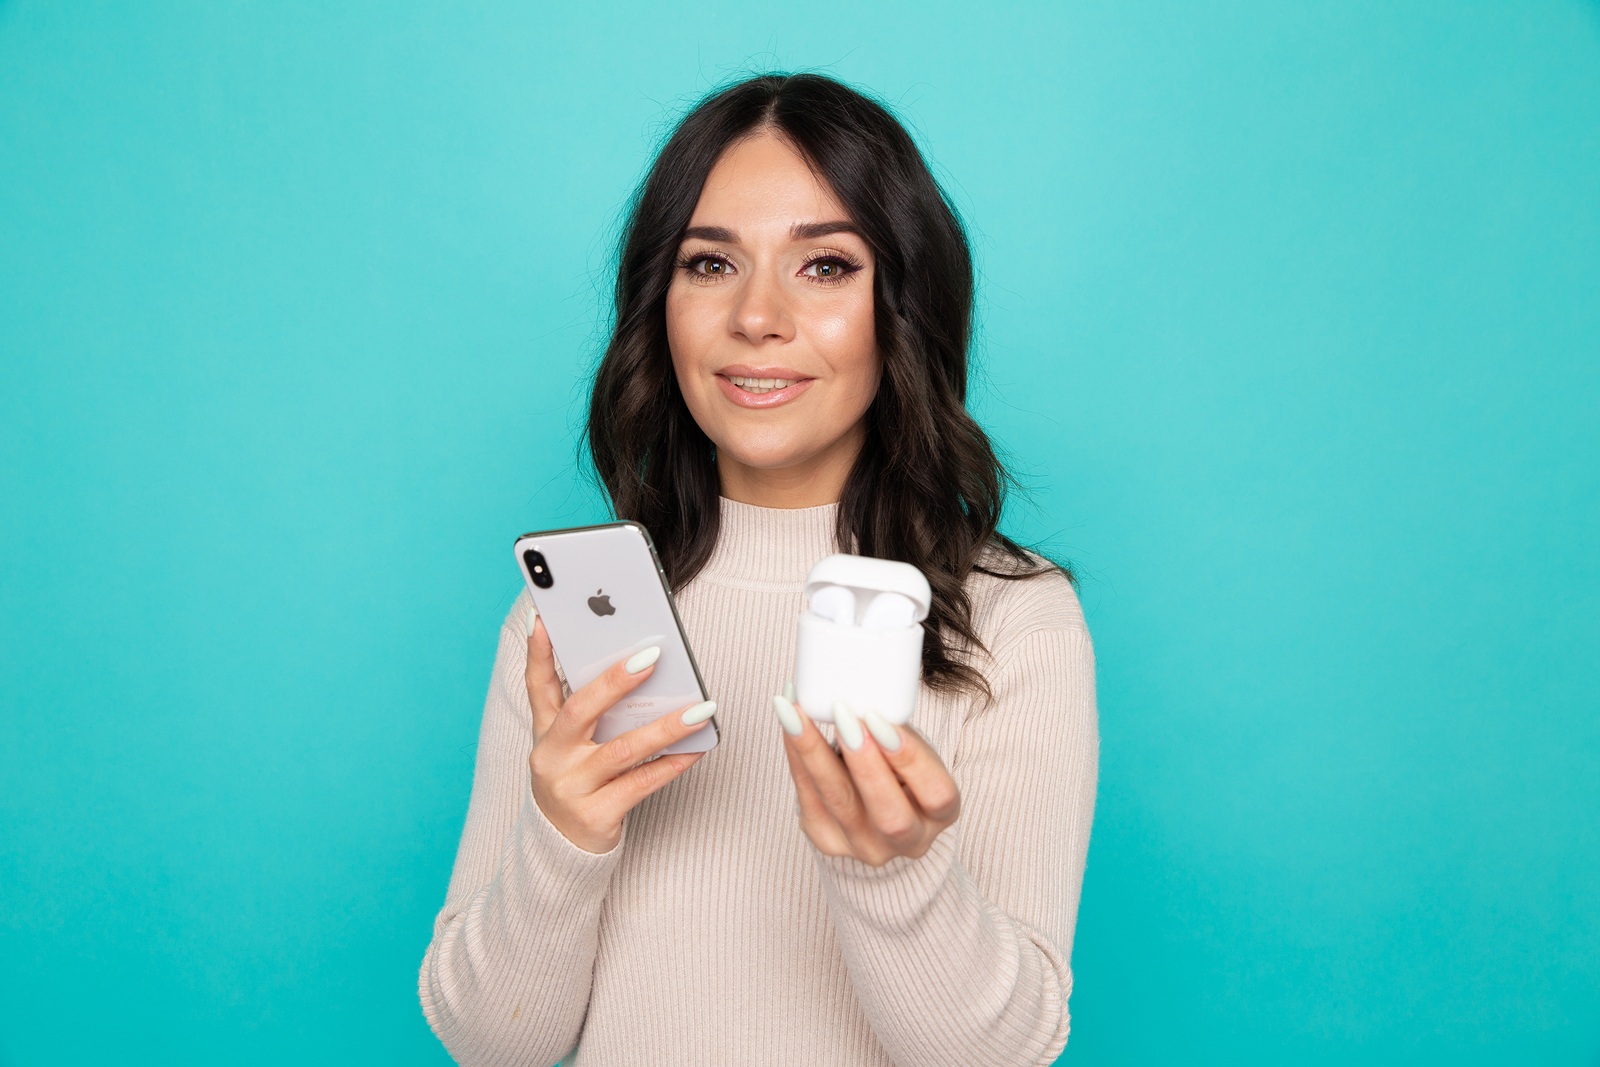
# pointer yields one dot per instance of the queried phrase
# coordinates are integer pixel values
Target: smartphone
(603, 596)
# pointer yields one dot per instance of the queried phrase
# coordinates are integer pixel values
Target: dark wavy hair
(927, 487)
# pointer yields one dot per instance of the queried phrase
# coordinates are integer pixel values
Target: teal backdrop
(1289, 317)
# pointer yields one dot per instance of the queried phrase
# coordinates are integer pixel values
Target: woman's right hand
(584, 788)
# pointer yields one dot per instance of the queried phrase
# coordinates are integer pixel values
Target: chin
(764, 458)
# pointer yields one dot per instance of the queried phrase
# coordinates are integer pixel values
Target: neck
(815, 481)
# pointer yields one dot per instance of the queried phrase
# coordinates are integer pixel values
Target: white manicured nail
(699, 713)
(882, 730)
(640, 660)
(788, 716)
(533, 613)
(788, 691)
(848, 725)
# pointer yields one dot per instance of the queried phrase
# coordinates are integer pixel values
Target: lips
(775, 398)
(745, 370)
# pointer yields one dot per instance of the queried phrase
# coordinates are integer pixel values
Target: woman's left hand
(867, 800)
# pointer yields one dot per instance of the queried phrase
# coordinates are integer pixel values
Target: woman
(786, 379)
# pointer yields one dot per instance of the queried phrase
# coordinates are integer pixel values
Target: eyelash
(687, 265)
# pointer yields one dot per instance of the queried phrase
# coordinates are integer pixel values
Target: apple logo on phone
(600, 604)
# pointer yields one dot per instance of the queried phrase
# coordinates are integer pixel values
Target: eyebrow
(800, 231)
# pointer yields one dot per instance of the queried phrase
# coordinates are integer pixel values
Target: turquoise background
(1290, 314)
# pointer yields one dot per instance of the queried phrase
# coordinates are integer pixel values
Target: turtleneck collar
(770, 547)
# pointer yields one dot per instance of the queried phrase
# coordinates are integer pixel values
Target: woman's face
(769, 318)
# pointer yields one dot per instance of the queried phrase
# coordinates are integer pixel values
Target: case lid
(879, 575)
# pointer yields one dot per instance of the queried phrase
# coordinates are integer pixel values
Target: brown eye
(831, 269)
(690, 265)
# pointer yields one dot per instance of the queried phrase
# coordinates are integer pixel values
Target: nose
(761, 308)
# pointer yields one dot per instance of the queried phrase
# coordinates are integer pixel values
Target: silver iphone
(603, 596)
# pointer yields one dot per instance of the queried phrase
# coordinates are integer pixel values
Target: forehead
(759, 187)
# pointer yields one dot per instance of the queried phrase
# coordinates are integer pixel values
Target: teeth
(761, 385)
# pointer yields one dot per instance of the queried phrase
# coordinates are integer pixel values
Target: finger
(795, 723)
(829, 776)
(924, 774)
(815, 819)
(805, 788)
(575, 722)
(811, 726)
(629, 748)
(889, 811)
(624, 792)
(544, 688)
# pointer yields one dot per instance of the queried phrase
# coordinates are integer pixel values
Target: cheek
(691, 336)
(685, 333)
(849, 336)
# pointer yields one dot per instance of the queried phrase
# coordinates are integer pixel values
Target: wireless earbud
(834, 603)
(889, 611)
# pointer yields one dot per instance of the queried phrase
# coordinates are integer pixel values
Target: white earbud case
(860, 638)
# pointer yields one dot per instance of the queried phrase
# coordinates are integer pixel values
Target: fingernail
(882, 730)
(849, 726)
(640, 660)
(699, 713)
(787, 715)
(788, 691)
(533, 613)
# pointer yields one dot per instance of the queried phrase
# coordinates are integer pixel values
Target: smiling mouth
(762, 385)
(762, 394)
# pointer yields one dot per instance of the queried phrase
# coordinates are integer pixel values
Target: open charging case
(877, 667)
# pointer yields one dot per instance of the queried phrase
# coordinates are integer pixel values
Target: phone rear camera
(538, 568)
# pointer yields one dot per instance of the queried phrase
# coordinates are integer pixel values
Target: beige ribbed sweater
(714, 933)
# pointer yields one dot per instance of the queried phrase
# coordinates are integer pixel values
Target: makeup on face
(770, 321)
(761, 387)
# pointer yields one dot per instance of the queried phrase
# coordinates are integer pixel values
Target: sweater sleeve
(962, 955)
(506, 978)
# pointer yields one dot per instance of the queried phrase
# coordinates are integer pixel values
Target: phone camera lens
(538, 569)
